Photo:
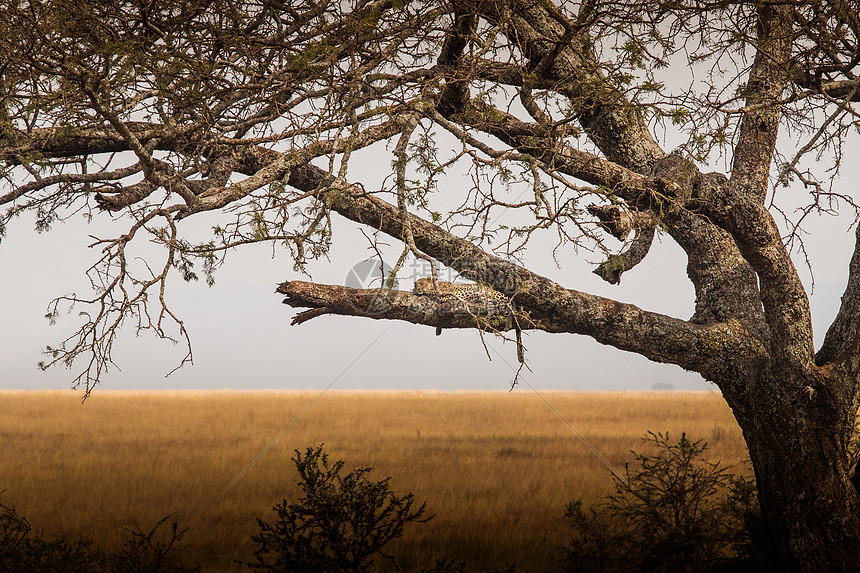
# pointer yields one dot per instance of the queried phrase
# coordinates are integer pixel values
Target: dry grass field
(495, 468)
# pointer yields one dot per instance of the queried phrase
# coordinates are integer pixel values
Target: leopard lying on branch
(471, 293)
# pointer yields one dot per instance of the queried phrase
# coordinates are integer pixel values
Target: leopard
(469, 292)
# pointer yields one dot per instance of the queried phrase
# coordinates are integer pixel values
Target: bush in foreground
(22, 549)
(676, 512)
(339, 524)
(150, 551)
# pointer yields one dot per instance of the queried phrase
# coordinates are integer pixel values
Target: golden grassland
(496, 468)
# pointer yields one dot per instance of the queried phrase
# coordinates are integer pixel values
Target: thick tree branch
(75, 142)
(619, 223)
(741, 208)
(753, 152)
(572, 68)
(556, 309)
(837, 90)
(617, 264)
(622, 135)
(396, 305)
(639, 190)
(683, 194)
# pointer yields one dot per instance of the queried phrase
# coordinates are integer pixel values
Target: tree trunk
(797, 435)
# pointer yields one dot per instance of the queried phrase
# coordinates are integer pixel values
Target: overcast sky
(242, 338)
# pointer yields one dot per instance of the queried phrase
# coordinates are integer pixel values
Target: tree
(161, 111)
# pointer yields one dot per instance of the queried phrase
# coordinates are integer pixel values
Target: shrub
(24, 550)
(676, 512)
(339, 524)
(150, 551)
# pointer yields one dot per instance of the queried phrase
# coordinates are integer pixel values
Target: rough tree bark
(234, 107)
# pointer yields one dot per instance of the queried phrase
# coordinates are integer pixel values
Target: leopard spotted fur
(471, 292)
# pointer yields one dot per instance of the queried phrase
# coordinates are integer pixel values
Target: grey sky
(241, 333)
(242, 338)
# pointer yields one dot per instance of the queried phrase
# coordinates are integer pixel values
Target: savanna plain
(495, 468)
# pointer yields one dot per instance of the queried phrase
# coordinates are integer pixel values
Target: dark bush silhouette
(676, 512)
(150, 551)
(24, 550)
(339, 524)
